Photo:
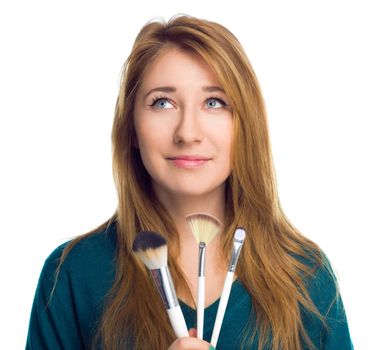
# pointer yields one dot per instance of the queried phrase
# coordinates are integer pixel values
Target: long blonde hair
(272, 264)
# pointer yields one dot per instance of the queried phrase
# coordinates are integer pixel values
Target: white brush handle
(222, 307)
(178, 322)
(200, 306)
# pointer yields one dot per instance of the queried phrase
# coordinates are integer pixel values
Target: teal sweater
(70, 319)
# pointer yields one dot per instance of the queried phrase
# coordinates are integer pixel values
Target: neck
(179, 206)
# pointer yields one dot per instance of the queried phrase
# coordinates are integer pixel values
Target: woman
(190, 135)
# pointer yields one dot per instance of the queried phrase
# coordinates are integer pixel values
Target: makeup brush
(152, 250)
(204, 228)
(238, 241)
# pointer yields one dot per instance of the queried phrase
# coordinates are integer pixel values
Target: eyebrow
(173, 89)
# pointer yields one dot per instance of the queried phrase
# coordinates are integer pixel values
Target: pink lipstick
(186, 161)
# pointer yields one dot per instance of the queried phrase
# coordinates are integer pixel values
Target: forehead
(175, 66)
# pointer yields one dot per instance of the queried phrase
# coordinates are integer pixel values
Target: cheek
(225, 137)
(227, 145)
(145, 135)
(151, 144)
(150, 139)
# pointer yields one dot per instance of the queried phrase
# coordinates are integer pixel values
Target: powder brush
(151, 249)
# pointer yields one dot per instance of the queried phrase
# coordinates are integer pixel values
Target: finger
(189, 343)
(192, 332)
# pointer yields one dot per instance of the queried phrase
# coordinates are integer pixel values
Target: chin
(189, 186)
(195, 190)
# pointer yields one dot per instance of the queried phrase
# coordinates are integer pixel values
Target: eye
(161, 103)
(214, 102)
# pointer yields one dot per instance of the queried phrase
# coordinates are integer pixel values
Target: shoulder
(323, 289)
(319, 279)
(71, 291)
(322, 284)
(82, 271)
(85, 251)
(83, 264)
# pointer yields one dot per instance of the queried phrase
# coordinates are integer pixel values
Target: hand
(190, 343)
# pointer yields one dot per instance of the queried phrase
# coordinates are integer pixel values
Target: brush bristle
(240, 234)
(151, 248)
(203, 226)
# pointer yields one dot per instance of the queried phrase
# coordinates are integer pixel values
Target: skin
(184, 134)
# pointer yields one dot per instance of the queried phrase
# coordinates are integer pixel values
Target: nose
(188, 129)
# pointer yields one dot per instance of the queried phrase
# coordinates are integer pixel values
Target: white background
(320, 66)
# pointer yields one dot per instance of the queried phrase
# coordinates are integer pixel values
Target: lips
(189, 161)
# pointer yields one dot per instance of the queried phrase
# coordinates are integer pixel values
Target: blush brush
(204, 228)
(151, 249)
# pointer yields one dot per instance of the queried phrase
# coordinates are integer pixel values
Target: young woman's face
(183, 125)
